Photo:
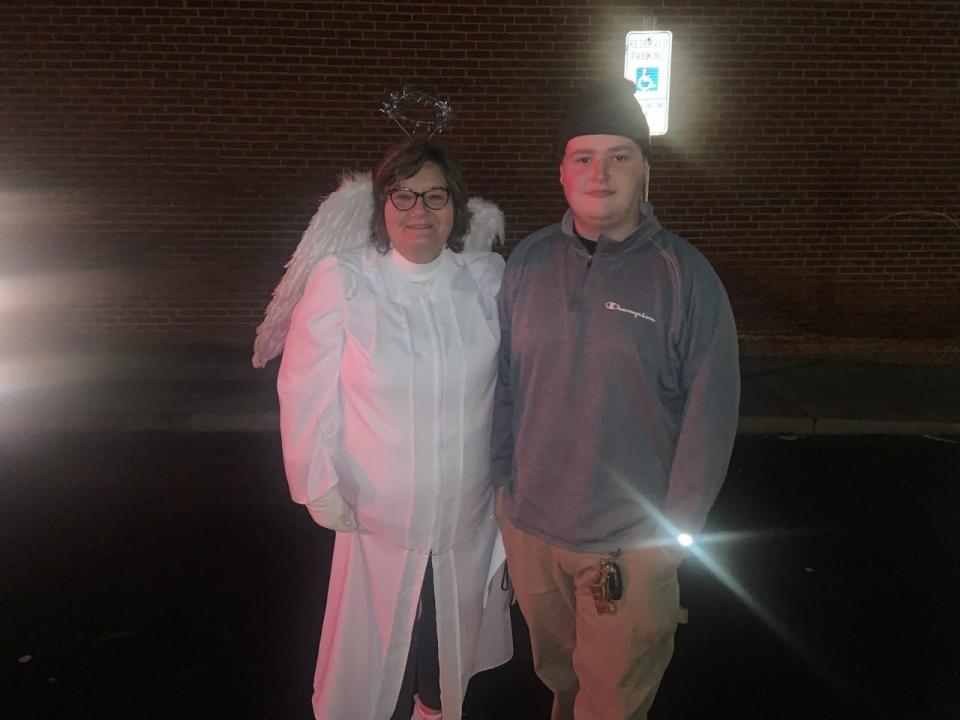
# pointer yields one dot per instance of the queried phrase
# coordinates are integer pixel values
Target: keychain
(607, 588)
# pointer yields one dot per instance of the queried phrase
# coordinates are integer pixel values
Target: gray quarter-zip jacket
(617, 400)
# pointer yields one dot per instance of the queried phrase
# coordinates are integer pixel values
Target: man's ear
(561, 171)
(646, 180)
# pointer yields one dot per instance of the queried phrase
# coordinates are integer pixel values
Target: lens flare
(670, 534)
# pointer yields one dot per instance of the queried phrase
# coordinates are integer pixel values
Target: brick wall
(159, 159)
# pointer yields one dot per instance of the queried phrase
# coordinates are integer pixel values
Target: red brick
(186, 148)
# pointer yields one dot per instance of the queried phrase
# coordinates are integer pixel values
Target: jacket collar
(647, 228)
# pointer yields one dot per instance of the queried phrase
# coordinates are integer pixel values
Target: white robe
(388, 394)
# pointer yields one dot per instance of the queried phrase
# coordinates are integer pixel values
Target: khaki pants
(599, 667)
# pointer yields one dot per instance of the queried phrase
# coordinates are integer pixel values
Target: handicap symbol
(648, 79)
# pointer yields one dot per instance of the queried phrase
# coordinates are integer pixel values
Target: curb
(269, 421)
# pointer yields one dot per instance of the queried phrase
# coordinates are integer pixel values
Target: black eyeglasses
(403, 198)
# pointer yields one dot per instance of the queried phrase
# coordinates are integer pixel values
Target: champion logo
(611, 305)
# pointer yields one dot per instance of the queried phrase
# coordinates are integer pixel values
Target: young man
(615, 414)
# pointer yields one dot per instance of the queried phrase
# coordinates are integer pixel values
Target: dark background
(160, 158)
(160, 575)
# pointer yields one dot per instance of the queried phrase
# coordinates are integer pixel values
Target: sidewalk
(218, 391)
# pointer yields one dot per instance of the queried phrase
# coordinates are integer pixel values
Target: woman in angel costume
(386, 389)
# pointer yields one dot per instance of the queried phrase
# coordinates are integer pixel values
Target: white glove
(331, 511)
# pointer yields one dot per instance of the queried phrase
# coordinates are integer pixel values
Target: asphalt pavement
(168, 575)
(153, 566)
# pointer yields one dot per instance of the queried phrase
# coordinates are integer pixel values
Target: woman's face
(420, 233)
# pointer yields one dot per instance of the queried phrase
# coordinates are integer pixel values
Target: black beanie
(605, 107)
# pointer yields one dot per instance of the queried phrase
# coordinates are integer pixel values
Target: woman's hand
(332, 511)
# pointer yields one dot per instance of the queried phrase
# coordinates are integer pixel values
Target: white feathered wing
(342, 222)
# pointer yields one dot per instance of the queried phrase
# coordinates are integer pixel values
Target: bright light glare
(19, 294)
(36, 371)
(701, 552)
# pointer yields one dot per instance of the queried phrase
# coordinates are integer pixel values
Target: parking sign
(647, 64)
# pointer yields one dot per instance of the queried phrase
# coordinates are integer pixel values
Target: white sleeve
(308, 385)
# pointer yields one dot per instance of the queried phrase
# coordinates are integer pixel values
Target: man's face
(604, 180)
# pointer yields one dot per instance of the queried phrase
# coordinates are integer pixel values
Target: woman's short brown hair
(405, 160)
